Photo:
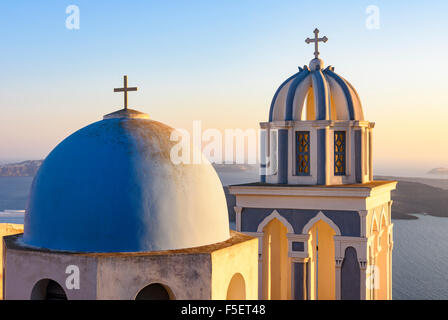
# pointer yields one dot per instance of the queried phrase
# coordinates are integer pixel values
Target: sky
(221, 62)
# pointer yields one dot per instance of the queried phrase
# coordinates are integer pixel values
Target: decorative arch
(237, 288)
(317, 218)
(374, 223)
(272, 216)
(155, 291)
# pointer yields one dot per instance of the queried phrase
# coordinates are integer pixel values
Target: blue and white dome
(315, 93)
(112, 187)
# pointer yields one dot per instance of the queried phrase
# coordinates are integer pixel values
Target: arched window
(155, 291)
(237, 288)
(47, 289)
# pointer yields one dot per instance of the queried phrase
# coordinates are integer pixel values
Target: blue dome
(112, 187)
(316, 94)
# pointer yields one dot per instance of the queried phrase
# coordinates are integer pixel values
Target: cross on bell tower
(316, 41)
(125, 89)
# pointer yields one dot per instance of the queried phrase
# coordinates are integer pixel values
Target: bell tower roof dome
(316, 133)
(315, 93)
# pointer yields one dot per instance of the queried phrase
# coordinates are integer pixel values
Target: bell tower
(323, 224)
(316, 134)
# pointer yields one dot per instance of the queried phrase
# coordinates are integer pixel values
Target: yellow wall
(276, 263)
(379, 271)
(241, 258)
(311, 268)
(6, 229)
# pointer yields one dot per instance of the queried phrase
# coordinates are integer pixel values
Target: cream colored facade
(323, 223)
(327, 220)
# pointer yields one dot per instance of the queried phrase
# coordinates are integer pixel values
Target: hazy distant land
(413, 195)
(419, 195)
(439, 171)
(21, 169)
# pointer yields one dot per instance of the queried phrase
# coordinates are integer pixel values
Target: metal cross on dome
(316, 41)
(125, 89)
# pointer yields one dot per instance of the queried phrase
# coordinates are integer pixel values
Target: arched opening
(309, 108)
(350, 276)
(276, 263)
(322, 263)
(308, 112)
(155, 291)
(47, 289)
(237, 288)
(333, 111)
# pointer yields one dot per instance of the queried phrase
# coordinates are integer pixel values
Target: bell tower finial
(316, 41)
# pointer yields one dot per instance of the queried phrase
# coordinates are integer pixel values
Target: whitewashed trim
(318, 217)
(272, 216)
(373, 221)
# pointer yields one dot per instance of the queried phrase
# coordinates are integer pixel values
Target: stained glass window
(339, 153)
(303, 153)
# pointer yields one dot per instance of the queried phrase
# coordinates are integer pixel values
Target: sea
(420, 255)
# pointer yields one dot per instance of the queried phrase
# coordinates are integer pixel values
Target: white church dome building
(110, 216)
(112, 187)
